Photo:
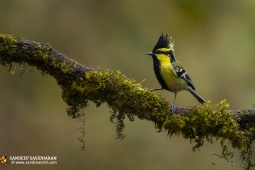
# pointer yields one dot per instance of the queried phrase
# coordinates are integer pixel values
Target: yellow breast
(173, 82)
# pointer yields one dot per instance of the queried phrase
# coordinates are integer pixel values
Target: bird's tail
(196, 95)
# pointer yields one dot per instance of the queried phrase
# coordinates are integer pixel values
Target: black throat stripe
(156, 65)
(171, 53)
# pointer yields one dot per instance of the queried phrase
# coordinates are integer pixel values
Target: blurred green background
(214, 42)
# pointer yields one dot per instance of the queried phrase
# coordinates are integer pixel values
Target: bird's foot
(173, 108)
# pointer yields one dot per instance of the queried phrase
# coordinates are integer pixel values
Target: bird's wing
(180, 72)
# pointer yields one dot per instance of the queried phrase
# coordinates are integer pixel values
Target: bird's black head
(165, 47)
(163, 42)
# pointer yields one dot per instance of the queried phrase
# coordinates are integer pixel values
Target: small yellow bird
(169, 71)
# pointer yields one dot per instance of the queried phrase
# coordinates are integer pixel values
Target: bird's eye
(159, 52)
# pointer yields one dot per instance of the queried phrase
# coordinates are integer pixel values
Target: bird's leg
(174, 105)
(156, 89)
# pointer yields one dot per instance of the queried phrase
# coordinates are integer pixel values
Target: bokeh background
(214, 42)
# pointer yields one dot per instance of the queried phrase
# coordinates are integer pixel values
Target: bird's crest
(164, 42)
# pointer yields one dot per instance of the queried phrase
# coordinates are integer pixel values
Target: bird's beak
(150, 53)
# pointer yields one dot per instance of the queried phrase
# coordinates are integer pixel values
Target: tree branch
(244, 117)
(126, 98)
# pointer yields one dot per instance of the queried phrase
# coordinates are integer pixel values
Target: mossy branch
(127, 98)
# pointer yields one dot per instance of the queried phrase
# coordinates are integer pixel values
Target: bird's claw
(173, 108)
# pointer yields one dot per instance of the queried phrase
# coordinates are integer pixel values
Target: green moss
(124, 96)
(8, 45)
(204, 122)
(39, 56)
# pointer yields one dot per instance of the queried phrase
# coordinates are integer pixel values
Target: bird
(169, 72)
